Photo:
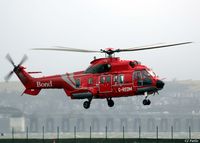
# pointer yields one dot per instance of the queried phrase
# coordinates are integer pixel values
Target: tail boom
(34, 85)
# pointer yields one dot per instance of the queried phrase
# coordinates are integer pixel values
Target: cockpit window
(137, 75)
(98, 68)
(142, 77)
(145, 74)
(141, 74)
(151, 72)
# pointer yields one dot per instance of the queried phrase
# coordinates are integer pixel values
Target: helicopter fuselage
(104, 78)
(107, 77)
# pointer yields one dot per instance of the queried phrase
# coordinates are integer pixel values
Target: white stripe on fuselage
(68, 81)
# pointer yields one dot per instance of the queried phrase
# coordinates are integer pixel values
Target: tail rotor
(24, 59)
(8, 57)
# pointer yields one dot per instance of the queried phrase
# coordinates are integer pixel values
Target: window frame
(78, 83)
(90, 81)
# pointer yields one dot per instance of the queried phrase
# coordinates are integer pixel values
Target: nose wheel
(146, 102)
(86, 104)
(110, 102)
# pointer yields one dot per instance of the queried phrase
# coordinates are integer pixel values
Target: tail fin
(24, 77)
(26, 80)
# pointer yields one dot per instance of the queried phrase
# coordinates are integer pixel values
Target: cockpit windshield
(145, 74)
(151, 72)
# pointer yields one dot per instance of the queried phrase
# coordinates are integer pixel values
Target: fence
(123, 134)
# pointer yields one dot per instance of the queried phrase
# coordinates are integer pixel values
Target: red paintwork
(111, 87)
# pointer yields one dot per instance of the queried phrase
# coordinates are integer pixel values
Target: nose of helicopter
(160, 84)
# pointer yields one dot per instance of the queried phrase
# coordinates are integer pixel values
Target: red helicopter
(105, 78)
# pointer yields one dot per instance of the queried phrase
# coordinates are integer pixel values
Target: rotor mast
(109, 52)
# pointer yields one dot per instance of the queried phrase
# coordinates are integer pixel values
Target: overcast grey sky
(98, 24)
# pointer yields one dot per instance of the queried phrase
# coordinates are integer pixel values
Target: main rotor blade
(8, 57)
(60, 48)
(151, 47)
(8, 76)
(23, 60)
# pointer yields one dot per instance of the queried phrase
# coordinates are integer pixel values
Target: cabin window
(90, 81)
(118, 79)
(102, 79)
(108, 79)
(121, 79)
(115, 78)
(77, 82)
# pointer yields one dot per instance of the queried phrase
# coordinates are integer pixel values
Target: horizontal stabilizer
(35, 72)
(32, 92)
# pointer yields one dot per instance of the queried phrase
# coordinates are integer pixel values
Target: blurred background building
(177, 105)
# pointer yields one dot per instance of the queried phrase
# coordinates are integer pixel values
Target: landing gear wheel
(86, 104)
(110, 102)
(146, 102)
